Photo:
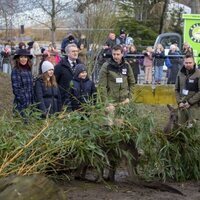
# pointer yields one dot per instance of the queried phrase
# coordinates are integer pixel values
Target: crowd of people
(44, 78)
(151, 62)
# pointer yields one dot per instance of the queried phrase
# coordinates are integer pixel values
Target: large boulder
(34, 187)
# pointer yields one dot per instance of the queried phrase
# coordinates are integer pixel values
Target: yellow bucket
(155, 94)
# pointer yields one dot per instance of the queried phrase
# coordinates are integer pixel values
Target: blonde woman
(176, 62)
(159, 56)
(187, 49)
(36, 53)
(47, 93)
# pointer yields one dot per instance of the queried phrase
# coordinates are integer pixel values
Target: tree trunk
(163, 16)
(53, 36)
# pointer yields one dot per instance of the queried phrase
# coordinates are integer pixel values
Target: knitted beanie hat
(46, 66)
(79, 68)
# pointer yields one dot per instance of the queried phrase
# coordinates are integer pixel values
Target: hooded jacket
(81, 91)
(116, 81)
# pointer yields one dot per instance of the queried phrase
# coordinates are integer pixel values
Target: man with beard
(187, 90)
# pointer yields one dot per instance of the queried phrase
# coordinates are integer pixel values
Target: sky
(22, 18)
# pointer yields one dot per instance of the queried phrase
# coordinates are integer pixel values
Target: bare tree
(97, 19)
(7, 10)
(163, 16)
(53, 11)
(140, 9)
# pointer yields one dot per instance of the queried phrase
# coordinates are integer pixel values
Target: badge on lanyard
(191, 81)
(124, 71)
(185, 92)
(119, 80)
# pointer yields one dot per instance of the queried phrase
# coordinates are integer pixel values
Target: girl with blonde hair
(159, 56)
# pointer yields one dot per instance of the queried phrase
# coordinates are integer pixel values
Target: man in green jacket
(187, 90)
(116, 80)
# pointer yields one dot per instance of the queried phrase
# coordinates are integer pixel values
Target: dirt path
(79, 190)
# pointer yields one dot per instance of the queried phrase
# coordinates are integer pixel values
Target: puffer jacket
(22, 86)
(116, 81)
(48, 98)
(188, 80)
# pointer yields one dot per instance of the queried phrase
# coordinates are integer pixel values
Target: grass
(6, 96)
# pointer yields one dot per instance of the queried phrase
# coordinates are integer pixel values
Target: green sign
(191, 33)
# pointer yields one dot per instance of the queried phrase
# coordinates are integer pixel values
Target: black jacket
(159, 58)
(82, 91)
(64, 75)
(48, 98)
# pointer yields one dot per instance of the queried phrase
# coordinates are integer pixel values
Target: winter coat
(134, 63)
(64, 75)
(121, 40)
(159, 58)
(67, 41)
(110, 43)
(5, 57)
(116, 81)
(176, 62)
(82, 91)
(48, 98)
(148, 60)
(190, 82)
(22, 85)
(82, 55)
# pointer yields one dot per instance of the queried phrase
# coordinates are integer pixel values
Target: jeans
(7, 68)
(158, 73)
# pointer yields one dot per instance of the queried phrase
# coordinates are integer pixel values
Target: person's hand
(125, 101)
(110, 108)
(186, 105)
(181, 105)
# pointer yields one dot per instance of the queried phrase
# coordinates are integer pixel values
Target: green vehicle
(191, 35)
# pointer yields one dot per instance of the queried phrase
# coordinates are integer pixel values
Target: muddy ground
(125, 190)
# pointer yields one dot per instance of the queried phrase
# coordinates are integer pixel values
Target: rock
(33, 187)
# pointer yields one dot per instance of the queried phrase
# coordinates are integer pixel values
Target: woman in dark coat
(133, 61)
(47, 93)
(22, 81)
(175, 64)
